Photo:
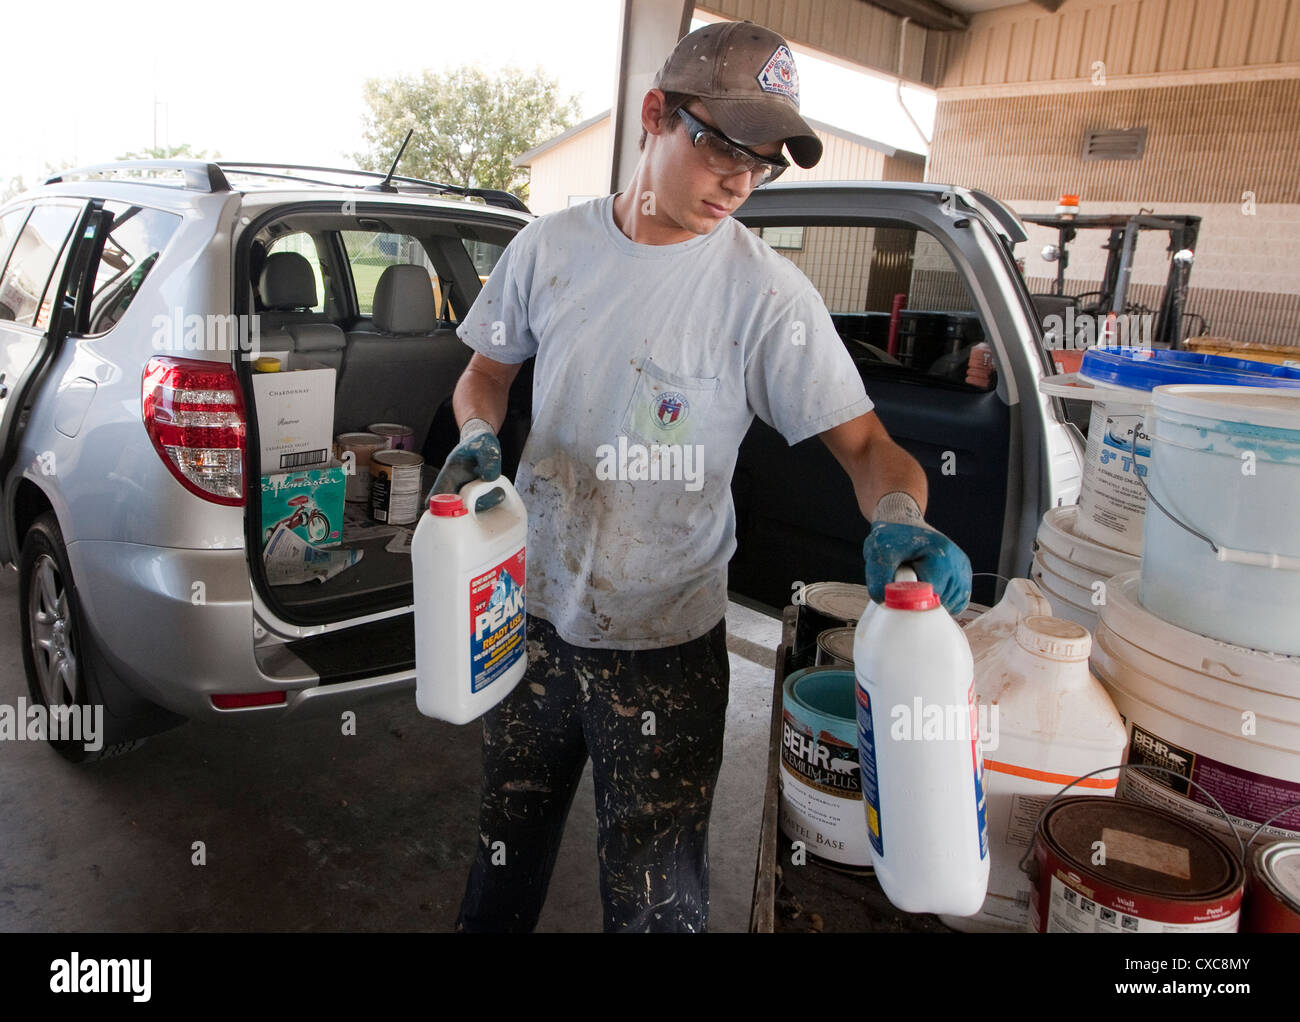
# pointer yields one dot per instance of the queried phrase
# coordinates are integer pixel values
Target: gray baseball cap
(745, 76)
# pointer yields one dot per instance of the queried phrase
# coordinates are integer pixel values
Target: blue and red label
(977, 757)
(496, 621)
(867, 772)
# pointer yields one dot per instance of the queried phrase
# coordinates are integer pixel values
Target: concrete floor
(305, 829)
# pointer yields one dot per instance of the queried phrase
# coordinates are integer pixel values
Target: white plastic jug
(468, 574)
(919, 755)
(1049, 721)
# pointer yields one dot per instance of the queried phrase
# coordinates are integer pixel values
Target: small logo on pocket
(670, 409)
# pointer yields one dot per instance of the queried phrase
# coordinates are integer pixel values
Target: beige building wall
(1216, 83)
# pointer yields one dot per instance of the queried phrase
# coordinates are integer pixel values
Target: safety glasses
(725, 157)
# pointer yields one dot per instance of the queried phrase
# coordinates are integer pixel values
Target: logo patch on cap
(779, 76)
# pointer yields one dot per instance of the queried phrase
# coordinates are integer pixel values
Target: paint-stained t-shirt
(651, 362)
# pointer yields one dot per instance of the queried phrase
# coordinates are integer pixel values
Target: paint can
(395, 490)
(1105, 865)
(357, 468)
(823, 605)
(1221, 555)
(400, 438)
(1070, 568)
(821, 787)
(1219, 716)
(835, 647)
(1273, 894)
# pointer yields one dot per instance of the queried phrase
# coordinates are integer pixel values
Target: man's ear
(652, 111)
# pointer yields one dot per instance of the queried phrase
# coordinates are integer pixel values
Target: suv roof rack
(199, 175)
(492, 196)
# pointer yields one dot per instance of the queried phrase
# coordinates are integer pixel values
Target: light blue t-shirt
(652, 361)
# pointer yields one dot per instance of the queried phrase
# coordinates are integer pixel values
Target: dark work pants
(652, 723)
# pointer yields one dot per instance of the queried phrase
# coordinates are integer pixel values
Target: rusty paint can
(824, 605)
(399, 437)
(1107, 865)
(395, 486)
(835, 647)
(1273, 899)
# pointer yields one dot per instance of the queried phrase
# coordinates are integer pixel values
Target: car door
(31, 310)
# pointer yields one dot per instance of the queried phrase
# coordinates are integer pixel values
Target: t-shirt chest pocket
(668, 408)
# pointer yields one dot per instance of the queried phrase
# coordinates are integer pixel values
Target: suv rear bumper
(177, 626)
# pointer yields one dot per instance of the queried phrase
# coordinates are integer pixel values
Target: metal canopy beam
(926, 13)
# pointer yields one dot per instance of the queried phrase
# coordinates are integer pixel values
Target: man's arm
(483, 391)
(875, 463)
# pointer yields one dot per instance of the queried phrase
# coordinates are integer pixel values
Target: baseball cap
(744, 74)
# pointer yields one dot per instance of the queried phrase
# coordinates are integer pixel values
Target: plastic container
(919, 755)
(1049, 722)
(1223, 716)
(1119, 382)
(1225, 462)
(1021, 599)
(1068, 567)
(468, 575)
(821, 790)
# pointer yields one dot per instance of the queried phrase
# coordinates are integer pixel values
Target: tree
(468, 124)
(174, 152)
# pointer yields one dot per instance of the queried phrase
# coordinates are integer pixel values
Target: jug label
(496, 615)
(867, 771)
(981, 817)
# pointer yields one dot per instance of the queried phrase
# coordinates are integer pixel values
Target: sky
(281, 82)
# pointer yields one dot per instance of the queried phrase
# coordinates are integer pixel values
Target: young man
(660, 327)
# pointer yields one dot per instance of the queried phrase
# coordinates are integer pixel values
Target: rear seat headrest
(287, 282)
(404, 301)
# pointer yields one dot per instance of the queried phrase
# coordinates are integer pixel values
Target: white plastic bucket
(1071, 568)
(1223, 716)
(1225, 462)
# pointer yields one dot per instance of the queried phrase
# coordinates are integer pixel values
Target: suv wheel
(58, 652)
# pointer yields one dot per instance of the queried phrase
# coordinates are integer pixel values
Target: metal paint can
(400, 438)
(395, 487)
(824, 605)
(835, 647)
(821, 789)
(1107, 865)
(1273, 900)
(357, 468)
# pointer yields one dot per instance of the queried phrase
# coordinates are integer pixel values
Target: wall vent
(1129, 144)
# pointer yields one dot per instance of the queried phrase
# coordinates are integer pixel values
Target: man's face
(688, 194)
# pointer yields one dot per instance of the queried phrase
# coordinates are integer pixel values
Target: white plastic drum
(1223, 716)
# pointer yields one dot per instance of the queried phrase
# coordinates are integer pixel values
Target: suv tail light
(194, 413)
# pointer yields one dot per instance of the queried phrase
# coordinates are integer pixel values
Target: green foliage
(468, 124)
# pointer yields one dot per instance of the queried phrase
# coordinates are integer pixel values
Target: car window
(35, 255)
(135, 238)
(484, 254)
(10, 223)
(370, 253)
(861, 270)
(303, 243)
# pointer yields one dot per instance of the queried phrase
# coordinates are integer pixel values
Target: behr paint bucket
(835, 647)
(823, 605)
(1072, 569)
(1119, 382)
(1224, 717)
(357, 467)
(1104, 865)
(1273, 890)
(399, 437)
(821, 787)
(395, 489)
(1225, 465)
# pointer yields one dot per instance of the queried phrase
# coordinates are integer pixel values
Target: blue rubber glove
(900, 536)
(477, 456)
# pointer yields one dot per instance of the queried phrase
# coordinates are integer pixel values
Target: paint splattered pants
(652, 723)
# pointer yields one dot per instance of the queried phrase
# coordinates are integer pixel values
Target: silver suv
(135, 296)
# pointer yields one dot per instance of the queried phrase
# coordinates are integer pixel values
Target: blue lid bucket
(1148, 368)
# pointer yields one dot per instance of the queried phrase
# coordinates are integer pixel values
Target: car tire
(63, 664)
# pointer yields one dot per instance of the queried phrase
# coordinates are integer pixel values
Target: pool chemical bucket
(821, 788)
(1045, 722)
(922, 772)
(1225, 464)
(823, 605)
(1071, 570)
(1223, 716)
(468, 576)
(1104, 865)
(1119, 382)
(1273, 889)
(354, 451)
